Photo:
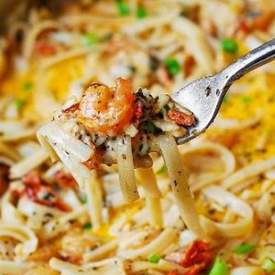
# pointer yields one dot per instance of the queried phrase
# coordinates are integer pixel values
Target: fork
(203, 97)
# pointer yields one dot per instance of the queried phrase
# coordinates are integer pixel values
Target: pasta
(91, 178)
(126, 169)
(12, 267)
(235, 205)
(156, 246)
(179, 185)
(22, 234)
(152, 194)
(106, 268)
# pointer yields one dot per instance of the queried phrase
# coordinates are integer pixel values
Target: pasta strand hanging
(179, 184)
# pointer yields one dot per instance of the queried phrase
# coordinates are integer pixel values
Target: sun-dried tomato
(189, 65)
(243, 26)
(197, 257)
(32, 179)
(65, 179)
(198, 252)
(94, 161)
(261, 22)
(41, 192)
(181, 118)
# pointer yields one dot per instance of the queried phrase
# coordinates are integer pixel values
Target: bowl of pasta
(91, 178)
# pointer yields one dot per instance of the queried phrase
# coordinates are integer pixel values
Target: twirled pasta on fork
(103, 125)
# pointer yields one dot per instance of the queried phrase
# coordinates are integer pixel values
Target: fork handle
(254, 59)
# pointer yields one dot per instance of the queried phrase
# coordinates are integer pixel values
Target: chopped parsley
(219, 267)
(154, 258)
(19, 103)
(173, 66)
(229, 46)
(48, 196)
(150, 128)
(123, 8)
(165, 109)
(89, 39)
(87, 226)
(141, 12)
(244, 248)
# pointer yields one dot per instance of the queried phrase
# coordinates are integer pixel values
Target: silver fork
(203, 97)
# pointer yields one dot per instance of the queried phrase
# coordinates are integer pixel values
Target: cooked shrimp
(107, 111)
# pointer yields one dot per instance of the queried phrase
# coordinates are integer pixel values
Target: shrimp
(107, 111)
